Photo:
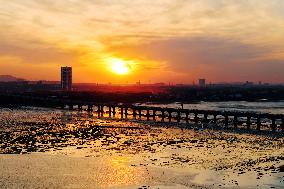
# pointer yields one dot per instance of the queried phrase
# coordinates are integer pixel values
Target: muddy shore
(46, 148)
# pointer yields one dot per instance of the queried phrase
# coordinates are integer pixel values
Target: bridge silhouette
(223, 119)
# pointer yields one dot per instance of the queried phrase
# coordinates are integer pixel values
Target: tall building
(66, 78)
(202, 83)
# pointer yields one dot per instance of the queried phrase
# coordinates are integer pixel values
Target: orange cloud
(180, 40)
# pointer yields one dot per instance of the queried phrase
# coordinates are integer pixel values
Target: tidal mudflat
(48, 148)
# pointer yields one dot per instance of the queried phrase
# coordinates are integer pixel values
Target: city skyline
(13, 79)
(161, 41)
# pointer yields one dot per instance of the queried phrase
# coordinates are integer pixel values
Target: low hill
(9, 78)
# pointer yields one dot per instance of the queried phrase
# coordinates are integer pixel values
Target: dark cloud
(269, 69)
(217, 58)
(182, 52)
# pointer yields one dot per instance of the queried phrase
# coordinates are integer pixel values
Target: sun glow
(120, 66)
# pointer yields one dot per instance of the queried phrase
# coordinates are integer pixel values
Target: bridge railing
(234, 119)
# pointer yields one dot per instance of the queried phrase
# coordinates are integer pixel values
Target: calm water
(48, 148)
(264, 107)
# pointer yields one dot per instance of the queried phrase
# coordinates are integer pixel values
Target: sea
(273, 107)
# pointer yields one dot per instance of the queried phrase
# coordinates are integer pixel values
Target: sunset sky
(175, 41)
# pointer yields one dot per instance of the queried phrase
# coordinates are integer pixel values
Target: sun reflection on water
(119, 173)
(106, 153)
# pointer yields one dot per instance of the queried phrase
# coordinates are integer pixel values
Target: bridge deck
(235, 119)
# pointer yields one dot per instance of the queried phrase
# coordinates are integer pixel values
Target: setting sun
(119, 66)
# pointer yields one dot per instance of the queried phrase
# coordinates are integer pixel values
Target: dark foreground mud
(76, 150)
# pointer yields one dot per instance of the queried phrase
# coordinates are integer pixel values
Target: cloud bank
(220, 40)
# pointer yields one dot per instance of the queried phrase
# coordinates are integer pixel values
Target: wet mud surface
(168, 157)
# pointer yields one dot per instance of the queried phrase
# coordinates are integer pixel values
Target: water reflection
(134, 154)
(264, 107)
(118, 173)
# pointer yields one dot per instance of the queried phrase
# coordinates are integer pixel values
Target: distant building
(202, 82)
(159, 84)
(138, 83)
(66, 78)
(248, 83)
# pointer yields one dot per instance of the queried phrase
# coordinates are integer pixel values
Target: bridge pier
(235, 122)
(99, 111)
(154, 115)
(226, 120)
(178, 116)
(121, 112)
(205, 118)
(140, 114)
(134, 113)
(113, 111)
(163, 116)
(126, 112)
(96, 111)
(102, 110)
(258, 123)
(196, 117)
(170, 117)
(71, 107)
(109, 111)
(215, 119)
(148, 115)
(248, 122)
(273, 125)
(186, 117)
(90, 108)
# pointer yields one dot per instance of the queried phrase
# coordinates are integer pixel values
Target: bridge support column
(140, 114)
(235, 122)
(113, 111)
(248, 122)
(154, 115)
(163, 116)
(273, 125)
(205, 118)
(215, 119)
(170, 117)
(148, 114)
(99, 111)
(196, 117)
(109, 111)
(258, 124)
(134, 113)
(102, 111)
(178, 116)
(121, 112)
(226, 120)
(126, 112)
(186, 117)
(90, 108)
(71, 107)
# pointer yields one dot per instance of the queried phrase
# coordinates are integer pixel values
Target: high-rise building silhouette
(202, 82)
(66, 78)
